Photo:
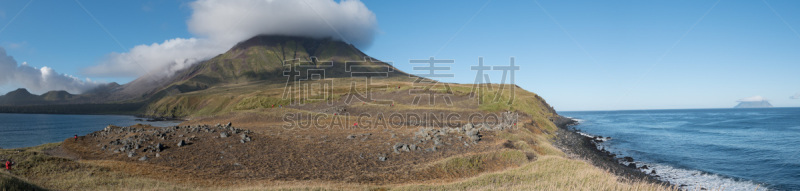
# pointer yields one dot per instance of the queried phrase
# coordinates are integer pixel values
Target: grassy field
(548, 172)
(527, 160)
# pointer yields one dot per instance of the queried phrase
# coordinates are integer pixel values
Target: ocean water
(734, 149)
(26, 130)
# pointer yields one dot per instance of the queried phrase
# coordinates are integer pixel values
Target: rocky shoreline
(577, 145)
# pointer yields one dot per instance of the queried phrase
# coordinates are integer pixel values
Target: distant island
(753, 102)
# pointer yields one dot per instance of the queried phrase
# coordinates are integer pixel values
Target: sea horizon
(676, 109)
(703, 147)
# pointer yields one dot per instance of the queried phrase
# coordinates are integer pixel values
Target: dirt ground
(258, 146)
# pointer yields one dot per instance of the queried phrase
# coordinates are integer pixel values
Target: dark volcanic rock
(159, 147)
(581, 147)
(628, 159)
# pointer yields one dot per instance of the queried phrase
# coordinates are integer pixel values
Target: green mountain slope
(267, 57)
(262, 61)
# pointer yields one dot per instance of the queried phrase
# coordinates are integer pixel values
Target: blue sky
(578, 55)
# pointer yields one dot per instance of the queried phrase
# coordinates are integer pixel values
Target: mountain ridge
(260, 59)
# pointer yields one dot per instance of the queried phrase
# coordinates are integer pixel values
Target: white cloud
(156, 59)
(220, 24)
(233, 21)
(795, 96)
(751, 99)
(39, 80)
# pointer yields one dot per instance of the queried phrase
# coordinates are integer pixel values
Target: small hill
(20, 96)
(57, 96)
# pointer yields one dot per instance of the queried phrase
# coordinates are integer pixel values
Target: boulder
(182, 143)
(474, 135)
(351, 136)
(432, 149)
(144, 158)
(397, 146)
(131, 154)
(632, 165)
(381, 158)
(628, 159)
(159, 147)
(406, 148)
(245, 138)
(223, 134)
(468, 126)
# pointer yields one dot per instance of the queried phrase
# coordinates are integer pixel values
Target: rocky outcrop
(467, 134)
(146, 141)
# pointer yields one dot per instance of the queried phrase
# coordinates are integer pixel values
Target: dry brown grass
(323, 159)
(547, 173)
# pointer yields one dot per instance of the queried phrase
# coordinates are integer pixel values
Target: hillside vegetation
(250, 127)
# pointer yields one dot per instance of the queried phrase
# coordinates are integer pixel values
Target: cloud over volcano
(220, 24)
(39, 80)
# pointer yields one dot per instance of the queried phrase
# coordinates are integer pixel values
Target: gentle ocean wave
(694, 179)
(734, 149)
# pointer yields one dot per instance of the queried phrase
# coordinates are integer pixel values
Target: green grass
(547, 173)
(57, 173)
(256, 102)
(10, 182)
(466, 165)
